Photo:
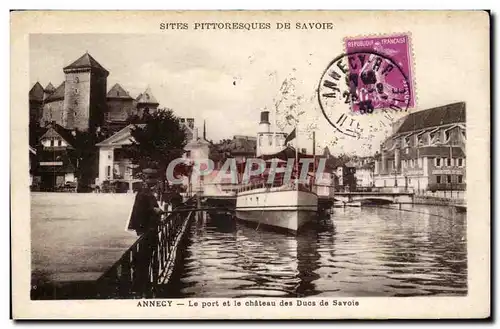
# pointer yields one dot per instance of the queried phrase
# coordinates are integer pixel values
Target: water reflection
(411, 251)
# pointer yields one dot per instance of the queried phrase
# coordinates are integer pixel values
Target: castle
(82, 102)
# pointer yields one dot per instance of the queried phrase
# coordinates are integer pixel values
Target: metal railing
(149, 262)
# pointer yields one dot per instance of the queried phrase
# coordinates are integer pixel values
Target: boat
(289, 207)
(281, 204)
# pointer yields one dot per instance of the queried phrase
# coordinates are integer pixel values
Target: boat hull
(282, 209)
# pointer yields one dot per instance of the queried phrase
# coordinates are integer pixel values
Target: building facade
(114, 165)
(54, 162)
(426, 151)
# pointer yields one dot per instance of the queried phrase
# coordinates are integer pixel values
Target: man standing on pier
(145, 217)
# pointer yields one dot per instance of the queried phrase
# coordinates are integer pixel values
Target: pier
(94, 258)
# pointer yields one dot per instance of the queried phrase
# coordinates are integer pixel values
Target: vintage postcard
(250, 164)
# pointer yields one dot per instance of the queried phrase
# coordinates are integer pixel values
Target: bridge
(375, 197)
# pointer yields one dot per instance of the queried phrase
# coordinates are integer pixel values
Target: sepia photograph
(286, 160)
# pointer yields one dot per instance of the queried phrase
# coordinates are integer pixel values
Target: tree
(157, 141)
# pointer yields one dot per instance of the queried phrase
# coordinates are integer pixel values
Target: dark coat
(143, 215)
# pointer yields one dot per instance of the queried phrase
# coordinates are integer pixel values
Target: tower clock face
(361, 93)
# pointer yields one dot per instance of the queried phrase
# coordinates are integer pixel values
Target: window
(108, 171)
(447, 135)
(76, 90)
(438, 162)
(77, 79)
(412, 161)
(59, 142)
(448, 162)
(438, 179)
(448, 179)
(51, 142)
(460, 179)
(460, 162)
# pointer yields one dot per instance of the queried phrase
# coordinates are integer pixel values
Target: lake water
(417, 250)
(413, 251)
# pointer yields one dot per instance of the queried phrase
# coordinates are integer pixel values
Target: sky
(228, 77)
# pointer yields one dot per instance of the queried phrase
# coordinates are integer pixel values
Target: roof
(36, 92)
(50, 88)
(58, 94)
(121, 137)
(437, 116)
(117, 91)
(55, 130)
(86, 61)
(147, 97)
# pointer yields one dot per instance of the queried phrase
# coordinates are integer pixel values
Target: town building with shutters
(426, 151)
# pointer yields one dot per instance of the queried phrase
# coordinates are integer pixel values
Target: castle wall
(53, 111)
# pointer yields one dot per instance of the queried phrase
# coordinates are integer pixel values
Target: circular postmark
(359, 88)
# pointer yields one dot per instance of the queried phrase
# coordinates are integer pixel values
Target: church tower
(84, 94)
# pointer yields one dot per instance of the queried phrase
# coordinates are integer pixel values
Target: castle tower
(85, 94)
(146, 102)
(36, 97)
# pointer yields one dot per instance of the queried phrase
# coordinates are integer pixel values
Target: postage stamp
(359, 83)
(389, 53)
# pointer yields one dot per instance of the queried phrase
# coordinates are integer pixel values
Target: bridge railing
(149, 261)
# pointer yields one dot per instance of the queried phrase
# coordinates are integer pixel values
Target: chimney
(264, 125)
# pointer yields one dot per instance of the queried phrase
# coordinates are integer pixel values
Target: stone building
(84, 94)
(426, 151)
